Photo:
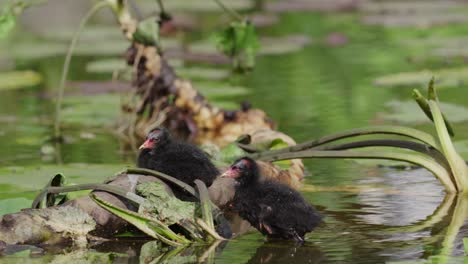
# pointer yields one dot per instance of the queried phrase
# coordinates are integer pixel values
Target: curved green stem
(440, 172)
(401, 144)
(163, 177)
(66, 66)
(386, 130)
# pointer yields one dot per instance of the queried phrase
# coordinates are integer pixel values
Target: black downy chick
(183, 161)
(273, 208)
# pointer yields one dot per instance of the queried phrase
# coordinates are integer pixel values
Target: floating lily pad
(197, 5)
(106, 65)
(269, 45)
(40, 50)
(96, 110)
(307, 5)
(420, 20)
(282, 45)
(408, 6)
(35, 177)
(220, 90)
(444, 78)
(203, 73)
(227, 105)
(90, 33)
(8, 206)
(408, 112)
(19, 79)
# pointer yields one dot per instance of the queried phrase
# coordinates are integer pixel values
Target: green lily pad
(8, 206)
(269, 45)
(408, 112)
(444, 78)
(97, 110)
(35, 177)
(19, 79)
(106, 65)
(203, 73)
(220, 90)
(283, 45)
(197, 5)
(90, 33)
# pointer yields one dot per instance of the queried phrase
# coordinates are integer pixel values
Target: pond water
(373, 214)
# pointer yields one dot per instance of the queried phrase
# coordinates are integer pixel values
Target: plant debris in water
(162, 205)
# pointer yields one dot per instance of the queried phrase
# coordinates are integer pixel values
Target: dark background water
(372, 214)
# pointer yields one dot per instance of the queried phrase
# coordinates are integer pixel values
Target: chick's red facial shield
(232, 172)
(148, 144)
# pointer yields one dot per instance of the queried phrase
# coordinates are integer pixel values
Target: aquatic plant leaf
(95, 111)
(8, 206)
(151, 227)
(213, 90)
(407, 112)
(239, 41)
(206, 209)
(106, 66)
(30, 177)
(7, 21)
(453, 77)
(203, 73)
(457, 164)
(19, 79)
(162, 205)
(279, 144)
(44, 199)
(423, 104)
(147, 32)
(419, 159)
(230, 153)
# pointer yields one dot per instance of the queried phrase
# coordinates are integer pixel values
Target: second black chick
(273, 208)
(183, 161)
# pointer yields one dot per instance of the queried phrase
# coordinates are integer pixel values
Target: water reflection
(280, 252)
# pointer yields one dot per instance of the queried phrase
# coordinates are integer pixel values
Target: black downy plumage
(183, 161)
(273, 208)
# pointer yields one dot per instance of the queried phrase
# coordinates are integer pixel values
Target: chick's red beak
(230, 173)
(148, 144)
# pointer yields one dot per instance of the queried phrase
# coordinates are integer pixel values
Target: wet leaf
(203, 73)
(220, 90)
(35, 176)
(163, 206)
(408, 112)
(230, 153)
(96, 110)
(283, 45)
(7, 21)
(444, 78)
(198, 5)
(19, 79)
(13, 205)
(279, 144)
(239, 41)
(147, 32)
(106, 66)
(151, 227)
